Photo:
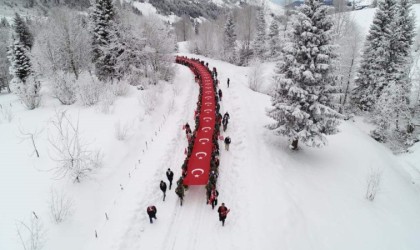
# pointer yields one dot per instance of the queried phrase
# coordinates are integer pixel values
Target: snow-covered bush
(379, 135)
(64, 88)
(255, 78)
(61, 206)
(148, 100)
(121, 130)
(107, 99)
(373, 182)
(7, 113)
(120, 88)
(28, 91)
(89, 89)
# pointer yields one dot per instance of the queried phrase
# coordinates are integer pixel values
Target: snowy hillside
(313, 199)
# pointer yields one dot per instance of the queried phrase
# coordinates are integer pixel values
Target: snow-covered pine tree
(229, 40)
(19, 59)
(274, 39)
(259, 44)
(4, 23)
(105, 44)
(25, 84)
(371, 77)
(302, 102)
(22, 31)
(5, 76)
(394, 99)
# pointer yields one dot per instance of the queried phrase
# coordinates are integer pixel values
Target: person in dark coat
(225, 123)
(228, 81)
(151, 211)
(170, 176)
(220, 94)
(213, 197)
(223, 211)
(226, 116)
(180, 192)
(163, 188)
(227, 142)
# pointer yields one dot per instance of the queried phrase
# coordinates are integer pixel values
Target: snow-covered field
(309, 199)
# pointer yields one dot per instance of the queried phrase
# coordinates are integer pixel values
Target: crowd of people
(221, 122)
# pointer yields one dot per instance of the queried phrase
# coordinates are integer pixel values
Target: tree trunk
(348, 83)
(294, 144)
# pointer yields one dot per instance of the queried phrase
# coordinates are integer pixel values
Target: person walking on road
(170, 176)
(227, 143)
(180, 192)
(213, 197)
(220, 94)
(223, 211)
(228, 81)
(225, 121)
(163, 188)
(151, 211)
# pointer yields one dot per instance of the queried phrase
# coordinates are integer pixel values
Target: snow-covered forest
(315, 124)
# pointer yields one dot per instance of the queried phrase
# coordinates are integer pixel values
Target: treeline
(194, 9)
(85, 58)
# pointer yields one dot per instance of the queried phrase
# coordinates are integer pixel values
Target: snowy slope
(310, 199)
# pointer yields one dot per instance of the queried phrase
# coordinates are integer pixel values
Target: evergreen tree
(19, 60)
(259, 43)
(393, 104)
(105, 39)
(371, 77)
(229, 39)
(302, 102)
(26, 86)
(274, 39)
(22, 31)
(4, 23)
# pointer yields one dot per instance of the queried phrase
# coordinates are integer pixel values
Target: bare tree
(255, 78)
(61, 206)
(183, 28)
(350, 45)
(72, 154)
(29, 136)
(246, 31)
(373, 182)
(63, 43)
(32, 236)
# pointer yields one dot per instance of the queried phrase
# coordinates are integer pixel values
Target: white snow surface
(147, 9)
(279, 199)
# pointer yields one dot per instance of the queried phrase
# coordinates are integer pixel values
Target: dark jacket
(223, 211)
(163, 186)
(151, 210)
(170, 175)
(227, 140)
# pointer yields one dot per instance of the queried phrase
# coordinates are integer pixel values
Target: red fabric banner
(199, 163)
